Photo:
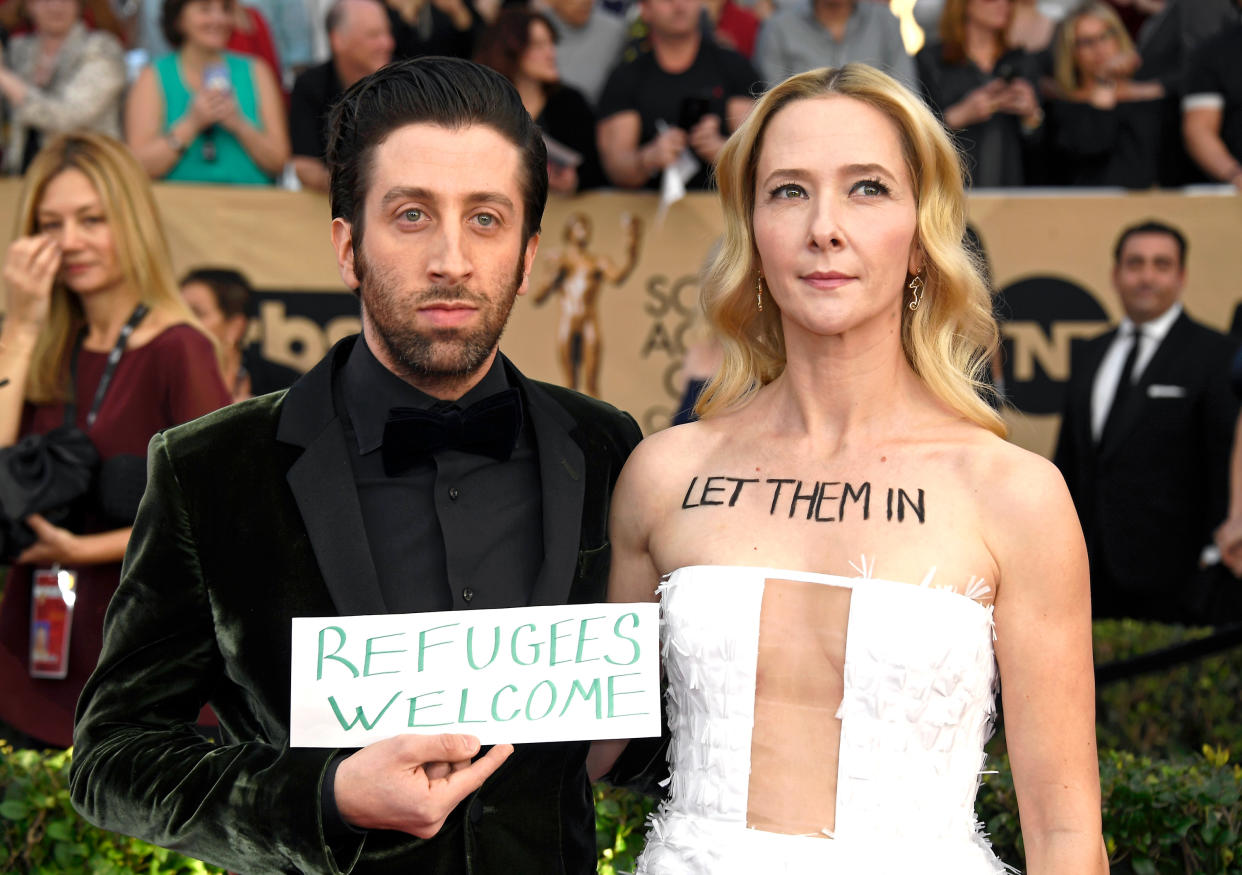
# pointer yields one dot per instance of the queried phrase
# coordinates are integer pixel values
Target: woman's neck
(983, 46)
(106, 313)
(846, 389)
(534, 94)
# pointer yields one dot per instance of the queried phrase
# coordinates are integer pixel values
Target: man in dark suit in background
(1145, 436)
(414, 469)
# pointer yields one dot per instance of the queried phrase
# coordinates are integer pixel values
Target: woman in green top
(202, 114)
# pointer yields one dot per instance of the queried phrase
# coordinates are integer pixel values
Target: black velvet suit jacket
(1151, 496)
(251, 517)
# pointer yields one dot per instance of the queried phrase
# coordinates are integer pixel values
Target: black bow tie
(487, 428)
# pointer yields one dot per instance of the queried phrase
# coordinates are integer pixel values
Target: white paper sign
(547, 673)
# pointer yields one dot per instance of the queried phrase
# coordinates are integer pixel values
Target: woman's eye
(787, 192)
(869, 188)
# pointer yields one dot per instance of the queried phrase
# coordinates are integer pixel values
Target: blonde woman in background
(845, 546)
(90, 251)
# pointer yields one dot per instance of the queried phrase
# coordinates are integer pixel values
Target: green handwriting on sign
(522, 674)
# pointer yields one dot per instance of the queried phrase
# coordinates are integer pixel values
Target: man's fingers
(465, 781)
(445, 748)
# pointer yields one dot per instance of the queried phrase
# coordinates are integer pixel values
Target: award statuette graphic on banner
(515, 675)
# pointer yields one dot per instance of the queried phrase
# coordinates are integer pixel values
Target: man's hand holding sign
(398, 682)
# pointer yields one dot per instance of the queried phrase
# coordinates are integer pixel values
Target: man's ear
(343, 243)
(528, 262)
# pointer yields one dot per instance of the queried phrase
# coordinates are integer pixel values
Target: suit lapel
(1161, 366)
(322, 482)
(562, 475)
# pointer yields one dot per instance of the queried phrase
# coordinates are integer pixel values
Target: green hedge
(1160, 816)
(42, 833)
(1172, 712)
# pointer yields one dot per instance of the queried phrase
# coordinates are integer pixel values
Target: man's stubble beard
(446, 354)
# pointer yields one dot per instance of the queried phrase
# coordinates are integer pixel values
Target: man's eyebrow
(405, 192)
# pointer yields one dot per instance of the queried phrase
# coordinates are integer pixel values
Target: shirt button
(453, 493)
(467, 594)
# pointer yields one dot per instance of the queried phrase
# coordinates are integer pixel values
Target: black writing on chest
(822, 501)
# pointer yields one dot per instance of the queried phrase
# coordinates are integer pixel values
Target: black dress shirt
(457, 530)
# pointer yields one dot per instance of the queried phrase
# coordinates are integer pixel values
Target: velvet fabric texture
(251, 517)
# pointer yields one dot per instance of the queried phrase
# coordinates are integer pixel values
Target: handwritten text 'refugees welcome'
(582, 668)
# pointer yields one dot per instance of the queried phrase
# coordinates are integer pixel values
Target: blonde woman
(844, 545)
(1105, 128)
(88, 275)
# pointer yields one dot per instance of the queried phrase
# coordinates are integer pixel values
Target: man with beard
(413, 469)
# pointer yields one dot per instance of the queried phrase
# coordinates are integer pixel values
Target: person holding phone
(203, 114)
(983, 90)
(1104, 127)
(673, 99)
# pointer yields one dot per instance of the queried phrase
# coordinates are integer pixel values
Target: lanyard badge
(52, 597)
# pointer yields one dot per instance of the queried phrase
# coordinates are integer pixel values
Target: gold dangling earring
(916, 286)
(759, 292)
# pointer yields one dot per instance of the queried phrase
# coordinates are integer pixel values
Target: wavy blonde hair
(141, 247)
(1064, 67)
(948, 340)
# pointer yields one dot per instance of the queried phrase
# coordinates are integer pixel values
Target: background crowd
(1129, 93)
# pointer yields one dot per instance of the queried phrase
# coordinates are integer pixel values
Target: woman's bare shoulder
(1021, 496)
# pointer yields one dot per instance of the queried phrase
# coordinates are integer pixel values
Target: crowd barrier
(1050, 256)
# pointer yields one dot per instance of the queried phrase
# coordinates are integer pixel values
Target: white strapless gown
(919, 691)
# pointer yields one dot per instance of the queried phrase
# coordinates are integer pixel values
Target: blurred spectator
(278, 31)
(1212, 107)
(433, 27)
(1145, 436)
(221, 299)
(589, 43)
(361, 40)
(674, 98)
(1104, 128)
(735, 27)
(522, 46)
(831, 33)
(59, 77)
(1030, 30)
(203, 114)
(90, 249)
(983, 89)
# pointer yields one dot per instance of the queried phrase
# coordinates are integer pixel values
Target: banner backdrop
(613, 298)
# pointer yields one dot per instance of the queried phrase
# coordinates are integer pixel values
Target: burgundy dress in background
(169, 380)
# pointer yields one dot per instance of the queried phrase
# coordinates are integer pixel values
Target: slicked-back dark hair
(1151, 226)
(449, 92)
